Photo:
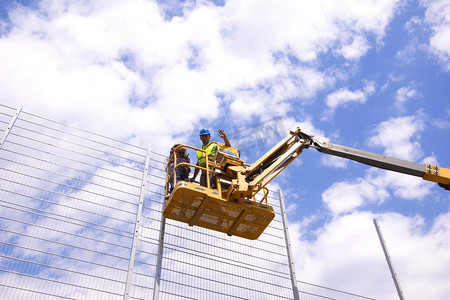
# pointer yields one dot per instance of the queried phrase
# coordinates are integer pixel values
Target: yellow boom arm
(231, 206)
(249, 180)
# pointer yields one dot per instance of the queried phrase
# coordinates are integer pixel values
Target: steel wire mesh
(69, 202)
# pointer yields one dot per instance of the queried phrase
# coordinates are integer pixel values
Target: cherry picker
(233, 207)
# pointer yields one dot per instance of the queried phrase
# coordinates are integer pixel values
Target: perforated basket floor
(200, 206)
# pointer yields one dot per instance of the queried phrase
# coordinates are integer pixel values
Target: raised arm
(223, 135)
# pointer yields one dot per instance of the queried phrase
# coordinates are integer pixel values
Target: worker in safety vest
(211, 150)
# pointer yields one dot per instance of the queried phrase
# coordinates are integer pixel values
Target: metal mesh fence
(81, 218)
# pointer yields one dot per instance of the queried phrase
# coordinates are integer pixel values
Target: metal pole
(159, 258)
(388, 259)
(10, 126)
(288, 246)
(137, 227)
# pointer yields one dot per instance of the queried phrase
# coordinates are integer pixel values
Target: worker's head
(205, 135)
(179, 150)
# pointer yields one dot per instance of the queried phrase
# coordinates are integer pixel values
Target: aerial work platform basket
(201, 206)
(211, 208)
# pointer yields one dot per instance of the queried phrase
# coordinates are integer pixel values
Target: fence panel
(69, 213)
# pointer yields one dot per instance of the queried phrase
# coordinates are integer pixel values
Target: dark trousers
(212, 180)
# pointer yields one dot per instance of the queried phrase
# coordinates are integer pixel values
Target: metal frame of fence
(81, 218)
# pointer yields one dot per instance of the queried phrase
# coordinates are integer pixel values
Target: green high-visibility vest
(211, 150)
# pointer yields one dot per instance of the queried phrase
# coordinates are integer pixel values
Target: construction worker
(182, 172)
(211, 150)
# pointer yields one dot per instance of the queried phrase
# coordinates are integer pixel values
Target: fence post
(159, 258)
(137, 227)
(288, 246)
(388, 259)
(10, 126)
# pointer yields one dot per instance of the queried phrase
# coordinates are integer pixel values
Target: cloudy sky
(370, 74)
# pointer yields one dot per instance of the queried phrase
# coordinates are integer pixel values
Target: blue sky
(373, 75)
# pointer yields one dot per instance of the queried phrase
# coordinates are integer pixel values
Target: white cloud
(407, 55)
(123, 60)
(405, 93)
(437, 16)
(374, 189)
(356, 49)
(407, 187)
(399, 137)
(346, 254)
(334, 161)
(413, 24)
(415, 45)
(344, 96)
(343, 197)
